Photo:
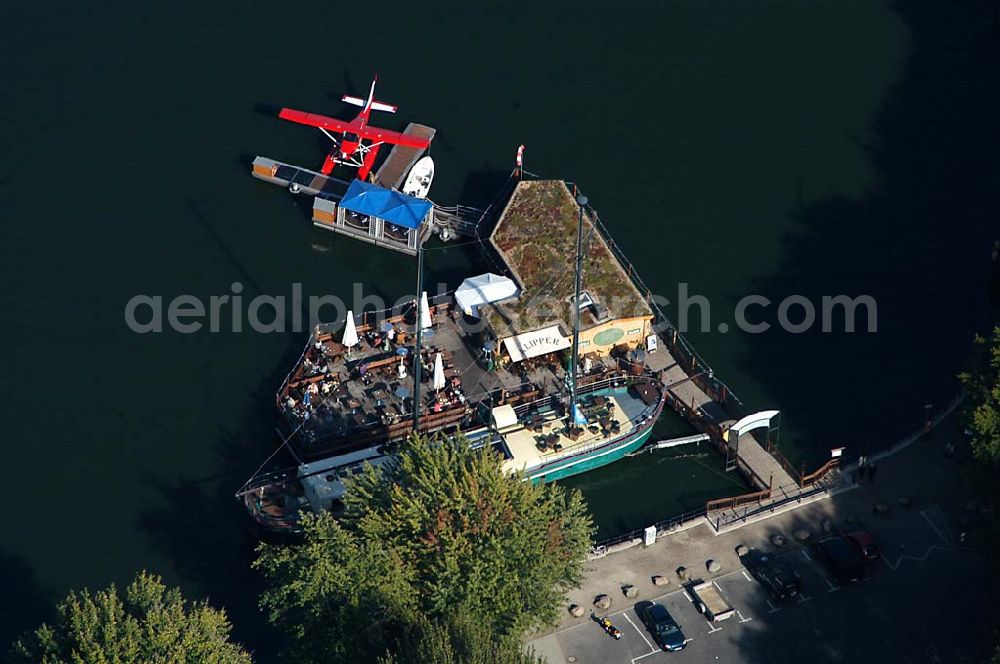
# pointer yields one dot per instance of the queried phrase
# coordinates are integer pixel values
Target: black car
(661, 625)
(841, 557)
(778, 578)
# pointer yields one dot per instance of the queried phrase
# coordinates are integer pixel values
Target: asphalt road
(924, 601)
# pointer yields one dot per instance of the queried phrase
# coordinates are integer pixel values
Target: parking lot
(925, 600)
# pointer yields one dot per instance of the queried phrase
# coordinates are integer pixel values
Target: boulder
(742, 550)
(630, 591)
(660, 580)
(905, 501)
(682, 573)
(802, 535)
(827, 526)
(778, 540)
(602, 602)
(881, 509)
(713, 566)
(576, 610)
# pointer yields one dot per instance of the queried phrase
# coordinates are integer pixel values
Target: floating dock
(299, 180)
(448, 222)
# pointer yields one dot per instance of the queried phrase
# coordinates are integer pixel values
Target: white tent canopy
(483, 289)
(350, 331)
(504, 417)
(533, 344)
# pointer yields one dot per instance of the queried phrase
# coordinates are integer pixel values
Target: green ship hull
(594, 459)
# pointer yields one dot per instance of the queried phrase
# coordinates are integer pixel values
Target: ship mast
(581, 201)
(416, 350)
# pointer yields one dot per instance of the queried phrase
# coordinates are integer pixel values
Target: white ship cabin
(323, 481)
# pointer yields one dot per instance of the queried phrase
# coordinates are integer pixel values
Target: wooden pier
(692, 399)
(401, 159)
(696, 394)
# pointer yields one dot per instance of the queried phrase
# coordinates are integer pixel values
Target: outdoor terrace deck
(356, 399)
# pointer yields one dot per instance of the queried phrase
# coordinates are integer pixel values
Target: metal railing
(700, 371)
(664, 527)
(685, 353)
(819, 473)
(797, 494)
(793, 472)
(732, 502)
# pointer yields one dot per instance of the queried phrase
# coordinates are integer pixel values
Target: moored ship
(551, 375)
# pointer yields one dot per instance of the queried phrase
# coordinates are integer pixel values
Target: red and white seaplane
(349, 148)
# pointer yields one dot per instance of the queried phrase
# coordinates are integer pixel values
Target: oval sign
(608, 337)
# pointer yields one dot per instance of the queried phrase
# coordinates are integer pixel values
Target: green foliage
(982, 384)
(336, 595)
(459, 640)
(439, 549)
(151, 624)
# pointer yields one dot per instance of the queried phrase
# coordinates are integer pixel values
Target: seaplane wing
(394, 137)
(314, 120)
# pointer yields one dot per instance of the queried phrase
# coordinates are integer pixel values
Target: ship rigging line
(268, 459)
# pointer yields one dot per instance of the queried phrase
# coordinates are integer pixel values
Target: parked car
(841, 557)
(665, 630)
(773, 573)
(865, 544)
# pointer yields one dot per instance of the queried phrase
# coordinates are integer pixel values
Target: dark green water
(777, 148)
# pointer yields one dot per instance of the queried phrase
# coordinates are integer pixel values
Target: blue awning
(394, 207)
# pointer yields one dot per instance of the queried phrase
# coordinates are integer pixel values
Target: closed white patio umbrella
(350, 332)
(438, 372)
(425, 312)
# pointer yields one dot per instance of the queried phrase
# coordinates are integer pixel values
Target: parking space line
(805, 555)
(803, 599)
(636, 659)
(712, 629)
(742, 619)
(747, 576)
(918, 559)
(935, 528)
(643, 636)
(944, 524)
(774, 609)
(659, 598)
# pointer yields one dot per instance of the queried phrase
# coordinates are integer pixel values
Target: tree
(336, 595)
(982, 384)
(459, 639)
(429, 544)
(150, 624)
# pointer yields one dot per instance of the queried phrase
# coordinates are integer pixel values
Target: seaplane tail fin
(353, 101)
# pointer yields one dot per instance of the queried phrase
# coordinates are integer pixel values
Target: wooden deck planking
(401, 159)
